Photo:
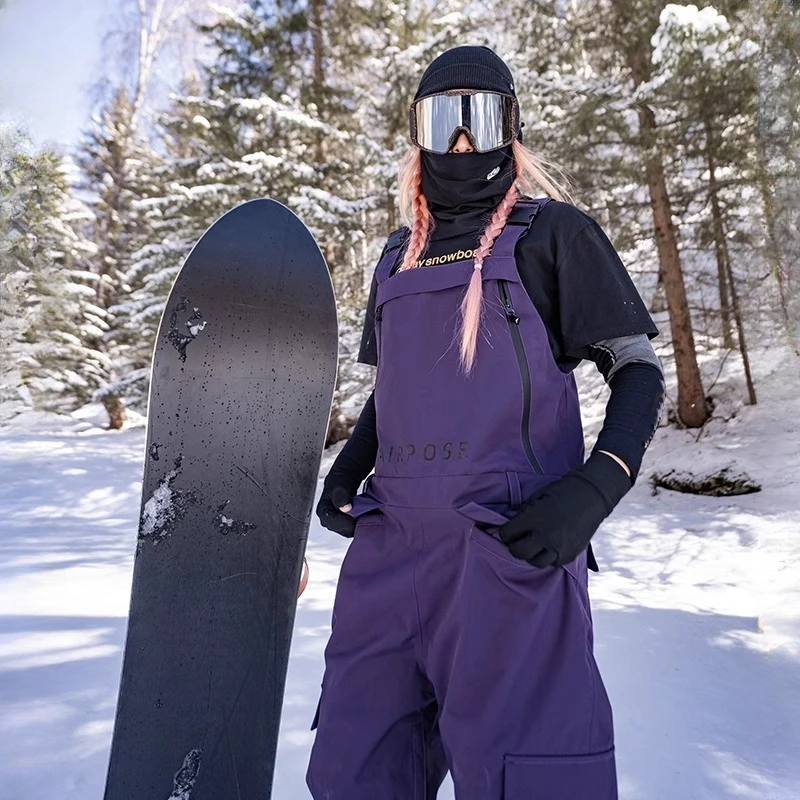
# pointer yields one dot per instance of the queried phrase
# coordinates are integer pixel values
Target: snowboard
(242, 383)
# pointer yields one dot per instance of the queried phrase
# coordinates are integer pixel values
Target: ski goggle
(489, 119)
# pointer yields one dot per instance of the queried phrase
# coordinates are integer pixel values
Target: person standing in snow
(461, 632)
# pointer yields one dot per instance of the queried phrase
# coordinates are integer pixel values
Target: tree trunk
(720, 247)
(692, 408)
(315, 23)
(737, 312)
(115, 409)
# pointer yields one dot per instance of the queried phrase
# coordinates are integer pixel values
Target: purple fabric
(446, 652)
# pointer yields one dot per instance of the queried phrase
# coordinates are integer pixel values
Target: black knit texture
(632, 413)
(466, 67)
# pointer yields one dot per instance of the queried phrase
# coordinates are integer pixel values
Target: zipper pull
(510, 313)
(509, 309)
(379, 313)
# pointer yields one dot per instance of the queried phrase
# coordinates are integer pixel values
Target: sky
(49, 54)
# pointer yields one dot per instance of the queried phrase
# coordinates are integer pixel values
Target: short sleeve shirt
(572, 273)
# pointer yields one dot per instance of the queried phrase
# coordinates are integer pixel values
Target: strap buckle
(525, 211)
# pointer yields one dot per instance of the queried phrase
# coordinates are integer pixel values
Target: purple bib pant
(446, 652)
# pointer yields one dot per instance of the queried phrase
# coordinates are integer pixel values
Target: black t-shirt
(571, 271)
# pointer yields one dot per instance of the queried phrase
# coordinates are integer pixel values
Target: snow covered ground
(696, 609)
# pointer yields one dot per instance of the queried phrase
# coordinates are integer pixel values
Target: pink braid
(423, 221)
(472, 304)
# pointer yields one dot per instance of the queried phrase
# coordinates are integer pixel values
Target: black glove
(332, 499)
(555, 524)
(352, 465)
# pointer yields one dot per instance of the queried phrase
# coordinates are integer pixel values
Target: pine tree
(705, 80)
(118, 164)
(778, 152)
(116, 168)
(250, 124)
(14, 148)
(624, 163)
(50, 298)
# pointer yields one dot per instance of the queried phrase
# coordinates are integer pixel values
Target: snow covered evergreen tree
(51, 318)
(14, 147)
(235, 132)
(778, 25)
(273, 115)
(625, 156)
(116, 170)
(705, 83)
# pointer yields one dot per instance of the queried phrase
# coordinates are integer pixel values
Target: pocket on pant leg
(587, 777)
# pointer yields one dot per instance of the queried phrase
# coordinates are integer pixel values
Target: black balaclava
(463, 189)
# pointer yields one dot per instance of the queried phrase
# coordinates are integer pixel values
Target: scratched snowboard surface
(243, 377)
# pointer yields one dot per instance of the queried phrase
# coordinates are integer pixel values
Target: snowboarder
(462, 633)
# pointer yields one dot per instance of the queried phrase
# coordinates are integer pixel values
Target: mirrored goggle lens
(488, 116)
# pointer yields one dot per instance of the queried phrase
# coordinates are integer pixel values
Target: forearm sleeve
(631, 368)
(357, 457)
(632, 413)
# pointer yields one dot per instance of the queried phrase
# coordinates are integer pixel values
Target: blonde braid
(472, 304)
(422, 221)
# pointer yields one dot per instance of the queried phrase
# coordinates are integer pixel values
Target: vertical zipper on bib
(378, 332)
(522, 363)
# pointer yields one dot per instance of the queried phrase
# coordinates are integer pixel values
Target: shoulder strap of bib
(391, 252)
(526, 210)
(518, 224)
(396, 238)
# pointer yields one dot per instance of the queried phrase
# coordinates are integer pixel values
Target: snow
(159, 510)
(697, 607)
(705, 30)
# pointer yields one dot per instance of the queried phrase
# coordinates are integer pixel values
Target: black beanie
(467, 67)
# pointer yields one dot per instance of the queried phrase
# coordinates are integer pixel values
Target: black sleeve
(357, 458)
(368, 352)
(597, 298)
(632, 413)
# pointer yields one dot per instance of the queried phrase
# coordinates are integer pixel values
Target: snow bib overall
(446, 652)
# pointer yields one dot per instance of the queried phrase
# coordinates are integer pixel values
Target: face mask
(457, 182)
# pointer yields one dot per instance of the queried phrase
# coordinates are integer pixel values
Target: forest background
(676, 123)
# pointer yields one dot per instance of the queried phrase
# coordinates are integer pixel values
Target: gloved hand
(555, 524)
(352, 465)
(334, 497)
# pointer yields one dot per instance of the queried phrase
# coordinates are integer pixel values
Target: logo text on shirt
(458, 255)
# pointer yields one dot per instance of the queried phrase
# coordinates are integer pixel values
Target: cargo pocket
(587, 777)
(484, 533)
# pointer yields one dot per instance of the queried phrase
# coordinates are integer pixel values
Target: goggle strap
(466, 111)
